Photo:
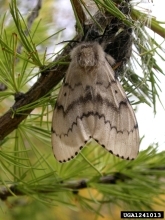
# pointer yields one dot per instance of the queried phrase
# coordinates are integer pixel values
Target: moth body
(92, 104)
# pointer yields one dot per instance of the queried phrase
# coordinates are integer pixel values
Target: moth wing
(70, 127)
(116, 127)
(93, 105)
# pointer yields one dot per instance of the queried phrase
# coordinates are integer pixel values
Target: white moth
(93, 104)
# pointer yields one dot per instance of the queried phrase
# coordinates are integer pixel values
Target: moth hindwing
(92, 104)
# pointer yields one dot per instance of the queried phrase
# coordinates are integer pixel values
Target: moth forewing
(93, 104)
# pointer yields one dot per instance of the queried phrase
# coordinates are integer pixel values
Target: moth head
(87, 54)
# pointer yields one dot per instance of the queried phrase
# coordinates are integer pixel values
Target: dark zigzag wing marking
(67, 86)
(72, 88)
(93, 114)
(81, 147)
(98, 102)
(105, 121)
(88, 97)
(109, 83)
(125, 103)
(92, 99)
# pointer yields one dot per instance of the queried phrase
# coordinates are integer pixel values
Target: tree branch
(48, 79)
(12, 190)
